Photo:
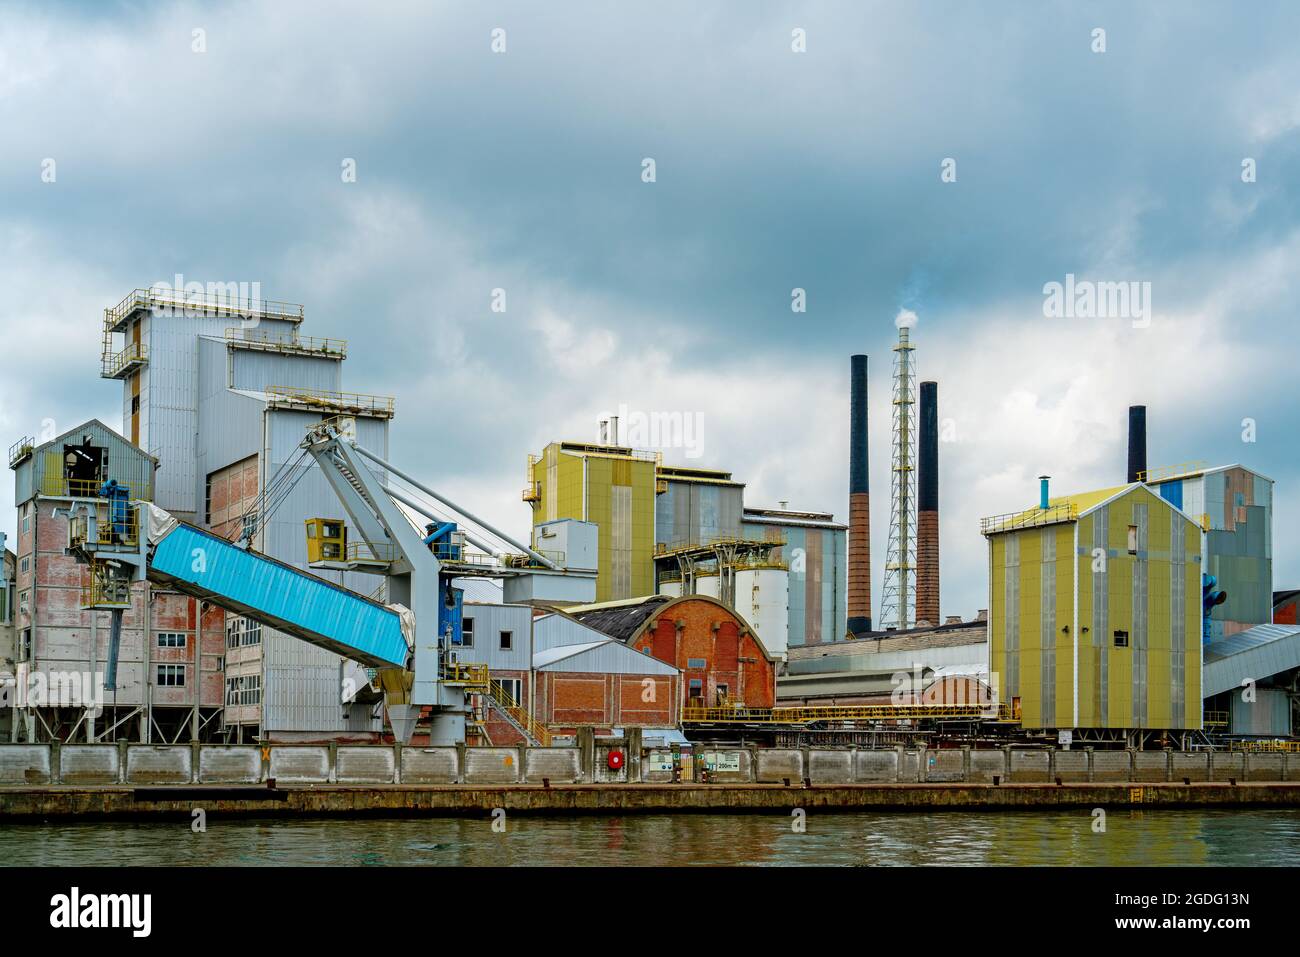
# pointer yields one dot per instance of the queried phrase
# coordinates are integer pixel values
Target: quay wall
(594, 761)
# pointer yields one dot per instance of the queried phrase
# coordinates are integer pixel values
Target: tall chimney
(1137, 443)
(859, 603)
(927, 507)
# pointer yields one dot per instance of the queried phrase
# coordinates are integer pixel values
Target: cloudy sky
(829, 170)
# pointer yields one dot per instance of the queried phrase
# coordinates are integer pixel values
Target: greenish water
(1167, 837)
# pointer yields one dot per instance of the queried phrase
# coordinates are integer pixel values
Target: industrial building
(168, 684)
(1095, 613)
(612, 487)
(222, 392)
(815, 549)
(1235, 507)
(722, 659)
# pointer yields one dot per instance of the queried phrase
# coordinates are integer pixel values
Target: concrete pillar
(587, 754)
(1169, 764)
(56, 765)
(90, 725)
(521, 752)
(965, 763)
(397, 762)
(900, 751)
(122, 748)
(461, 763)
(333, 775)
(1130, 752)
(634, 738)
(1092, 774)
(195, 754)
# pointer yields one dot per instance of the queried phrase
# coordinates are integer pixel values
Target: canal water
(1146, 837)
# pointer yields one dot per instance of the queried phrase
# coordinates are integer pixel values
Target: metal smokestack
(927, 508)
(859, 598)
(1137, 443)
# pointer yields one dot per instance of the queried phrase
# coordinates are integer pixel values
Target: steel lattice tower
(898, 597)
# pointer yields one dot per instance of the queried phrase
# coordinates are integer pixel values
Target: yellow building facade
(1095, 612)
(612, 487)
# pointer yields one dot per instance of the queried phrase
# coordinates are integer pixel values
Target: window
(25, 647)
(467, 632)
(25, 564)
(27, 517)
(171, 676)
(697, 688)
(1132, 539)
(250, 526)
(242, 631)
(207, 503)
(244, 690)
(697, 663)
(1121, 639)
(171, 639)
(507, 640)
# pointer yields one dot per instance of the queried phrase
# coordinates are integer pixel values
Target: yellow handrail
(805, 715)
(325, 398)
(507, 701)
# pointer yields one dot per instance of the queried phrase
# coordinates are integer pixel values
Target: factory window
(1121, 639)
(27, 517)
(171, 676)
(25, 645)
(697, 663)
(207, 503)
(26, 564)
(171, 639)
(1132, 539)
(697, 688)
(467, 632)
(242, 631)
(507, 640)
(244, 690)
(250, 526)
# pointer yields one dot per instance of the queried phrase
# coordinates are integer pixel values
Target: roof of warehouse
(552, 655)
(1253, 654)
(870, 642)
(619, 619)
(1282, 596)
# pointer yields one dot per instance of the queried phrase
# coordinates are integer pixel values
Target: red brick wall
(568, 700)
(233, 491)
(709, 631)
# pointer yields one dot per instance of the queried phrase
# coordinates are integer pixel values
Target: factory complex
(242, 561)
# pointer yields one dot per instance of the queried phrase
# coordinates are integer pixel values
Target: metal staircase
(517, 717)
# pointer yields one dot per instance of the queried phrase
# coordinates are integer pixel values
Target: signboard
(1064, 738)
(722, 761)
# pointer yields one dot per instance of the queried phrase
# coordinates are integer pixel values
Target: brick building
(169, 681)
(722, 660)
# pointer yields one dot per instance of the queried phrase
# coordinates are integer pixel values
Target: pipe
(1042, 491)
(456, 508)
(1137, 443)
(859, 572)
(927, 505)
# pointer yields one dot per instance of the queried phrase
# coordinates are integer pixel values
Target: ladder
(533, 732)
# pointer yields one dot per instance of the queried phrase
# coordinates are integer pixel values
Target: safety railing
(1029, 518)
(806, 715)
(60, 487)
(371, 553)
(471, 676)
(21, 449)
(1162, 472)
(1215, 719)
(527, 561)
(272, 342)
(201, 304)
(116, 523)
(1276, 744)
(719, 542)
(333, 401)
(101, 589)
(536, 730)
(135, 354)
(531, 493)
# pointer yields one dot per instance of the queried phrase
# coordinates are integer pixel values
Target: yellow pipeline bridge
(802, 716)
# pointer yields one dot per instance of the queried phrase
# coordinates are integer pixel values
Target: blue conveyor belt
(280, 596)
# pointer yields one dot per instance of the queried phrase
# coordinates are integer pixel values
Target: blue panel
(1172, 492)
(279, 596)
